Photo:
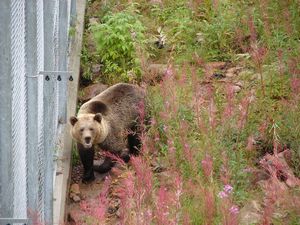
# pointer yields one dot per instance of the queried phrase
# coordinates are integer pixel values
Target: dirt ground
(87, 192)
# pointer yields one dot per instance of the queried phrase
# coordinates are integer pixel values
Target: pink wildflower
(295, 85)
(114, 158)
(234, 209)
(187, 151)
(209, 209)
(228, 189)
(171, 147)
(207, 166)
(212, 113)
(143, 174)
(162, 207)
(258, 54)
(250, 143)
(244, 107)
(153, 122)
(222, 194)
(96, 209)
(141, 110)
(281, 63)
(293, 66)
(251, 25)
(165, 128)
(178, 185)
(183, 76)
(228, 111)
(169, 72)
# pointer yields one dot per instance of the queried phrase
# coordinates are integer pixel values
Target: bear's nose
(87, 139)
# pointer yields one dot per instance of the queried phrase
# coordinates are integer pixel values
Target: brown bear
(109, 120)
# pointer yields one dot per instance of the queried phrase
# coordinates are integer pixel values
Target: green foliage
(289, 133)
(85, 62)
(218, 28)
(178, 25)
(277, 85)
(118, 39)
(75, 155)
(72, 31)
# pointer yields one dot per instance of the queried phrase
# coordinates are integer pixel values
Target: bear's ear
(73, 120)
(98, 117)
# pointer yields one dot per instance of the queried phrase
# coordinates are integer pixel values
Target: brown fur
(117, 110)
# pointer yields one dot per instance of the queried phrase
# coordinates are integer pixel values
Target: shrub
(218, 28)
(118, 39)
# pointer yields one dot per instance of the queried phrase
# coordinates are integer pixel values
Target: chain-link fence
(33, 89)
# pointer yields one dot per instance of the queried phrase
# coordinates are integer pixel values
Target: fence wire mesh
(19, 94)
(33, 90)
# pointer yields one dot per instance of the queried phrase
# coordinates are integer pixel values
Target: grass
(209, 136)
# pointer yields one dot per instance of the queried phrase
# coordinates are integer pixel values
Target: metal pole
(49, 106)
(62, 62)
(32, 102)
(6, 178)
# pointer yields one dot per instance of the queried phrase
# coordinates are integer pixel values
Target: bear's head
(86, 129)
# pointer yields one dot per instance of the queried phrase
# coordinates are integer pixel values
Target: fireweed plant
(206, 145)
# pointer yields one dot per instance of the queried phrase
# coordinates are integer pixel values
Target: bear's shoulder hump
(97, 107)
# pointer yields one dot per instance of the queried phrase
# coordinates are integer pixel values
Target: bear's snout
(87, 140)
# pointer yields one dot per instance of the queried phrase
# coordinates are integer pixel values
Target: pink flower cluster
(234, 209)
(226, 191)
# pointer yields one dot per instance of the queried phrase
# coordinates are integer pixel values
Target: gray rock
(93, 21)
(76, 198)
(96, 68)
(91, 91)
(251, 213)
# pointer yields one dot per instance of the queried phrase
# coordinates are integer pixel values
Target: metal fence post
(49, 141)
(73, 14)
(6, 179)
(62, 62)
(32, 102)
(49, 90)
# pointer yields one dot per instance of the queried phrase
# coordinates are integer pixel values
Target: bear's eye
(81, 130)
(91, 129)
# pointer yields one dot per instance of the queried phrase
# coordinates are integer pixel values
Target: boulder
(250, 213)
(91, 91)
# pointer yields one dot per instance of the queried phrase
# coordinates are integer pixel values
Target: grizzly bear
(109, 120)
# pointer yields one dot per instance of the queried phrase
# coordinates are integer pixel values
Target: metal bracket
(9, 221)
(47, 75)
(55, 73)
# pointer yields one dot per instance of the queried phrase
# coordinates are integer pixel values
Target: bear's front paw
(105, 166)
(102, 168)
(88, 177)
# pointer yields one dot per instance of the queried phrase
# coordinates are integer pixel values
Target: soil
(88, 192)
